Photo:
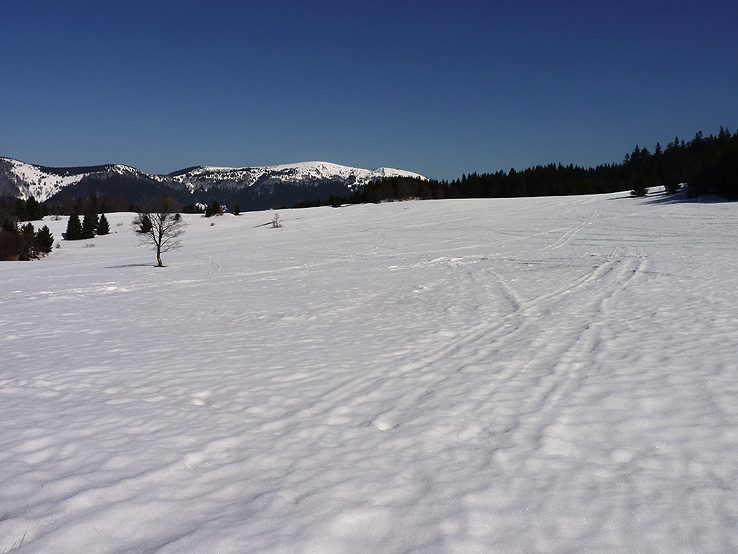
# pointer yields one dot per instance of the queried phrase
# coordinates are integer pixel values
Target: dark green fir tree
(35, 210)
(21, 209)
(27, 250)
(44, 240)
(103, 227)
(74, 228)
(89, 224)
(144, 224)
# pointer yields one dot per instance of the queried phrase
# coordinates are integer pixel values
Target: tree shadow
(660, 197)
(682, 198)
(129, 265)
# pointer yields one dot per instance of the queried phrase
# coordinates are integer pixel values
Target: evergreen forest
(702, 165)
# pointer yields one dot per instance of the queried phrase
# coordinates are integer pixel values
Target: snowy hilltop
(252, 187)
(22, 180)
(305, 174)
(551, 374)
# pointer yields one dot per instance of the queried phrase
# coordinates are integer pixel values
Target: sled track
(523, 351)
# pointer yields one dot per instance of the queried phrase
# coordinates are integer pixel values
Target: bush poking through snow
(276, 221)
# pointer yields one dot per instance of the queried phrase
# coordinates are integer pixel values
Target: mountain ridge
(255, 187)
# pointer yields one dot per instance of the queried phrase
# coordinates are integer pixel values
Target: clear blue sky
(440, 88)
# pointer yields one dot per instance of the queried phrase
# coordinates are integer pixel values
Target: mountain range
(252, 188)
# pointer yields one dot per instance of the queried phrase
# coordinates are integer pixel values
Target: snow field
(543, 375)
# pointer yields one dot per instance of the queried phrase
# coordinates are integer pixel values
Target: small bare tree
(160, 228)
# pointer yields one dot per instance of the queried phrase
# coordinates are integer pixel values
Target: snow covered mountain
(253, 187)
(307, 173)
(21, 180)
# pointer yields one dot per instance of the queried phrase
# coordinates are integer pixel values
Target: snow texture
(510, 375)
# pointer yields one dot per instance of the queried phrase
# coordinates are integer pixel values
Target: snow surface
(523, 375)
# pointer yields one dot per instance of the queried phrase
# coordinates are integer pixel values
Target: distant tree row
(704, 164)
(81, 205)
(23, 210)
(30, 210)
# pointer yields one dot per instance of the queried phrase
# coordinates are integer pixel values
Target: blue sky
(440, 88)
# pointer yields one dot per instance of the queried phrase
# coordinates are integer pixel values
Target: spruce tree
(74, 227)
(35, 210)
(213, 209)
(89, 224)
(9, 243)
(44, 240)
(27, 250)
(21, 210)
(143, 223)
(103, 227)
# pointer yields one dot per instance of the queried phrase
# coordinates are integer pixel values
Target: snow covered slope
(19, 179)
(512, 375)
(204, 178)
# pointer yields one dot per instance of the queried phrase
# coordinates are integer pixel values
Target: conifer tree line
(703, 165)
(23, 242)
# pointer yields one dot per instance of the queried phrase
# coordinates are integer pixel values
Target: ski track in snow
(528, 375)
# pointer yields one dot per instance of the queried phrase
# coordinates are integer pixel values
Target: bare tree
(160, 228)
